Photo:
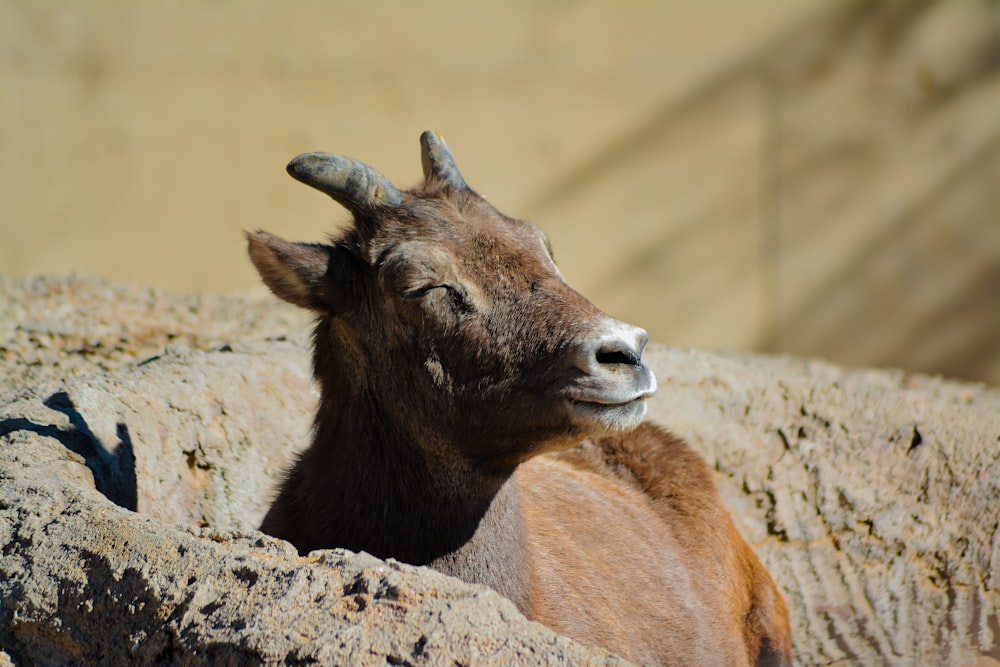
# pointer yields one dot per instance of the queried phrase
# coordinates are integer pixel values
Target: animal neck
(398, 490)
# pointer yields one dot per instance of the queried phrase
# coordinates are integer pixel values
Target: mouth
(609, 402)
(599, 393)
(605, 415)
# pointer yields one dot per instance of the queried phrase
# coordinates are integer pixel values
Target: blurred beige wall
(812, 177)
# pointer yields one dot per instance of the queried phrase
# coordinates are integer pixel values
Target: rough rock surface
(53, 328)
(872, 496)
(128, 499)
(88, 582)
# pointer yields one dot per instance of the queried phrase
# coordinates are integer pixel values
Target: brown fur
(471, 418)
(660, 483)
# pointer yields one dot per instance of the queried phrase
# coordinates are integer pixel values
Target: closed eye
(422, 291)
(458, 296)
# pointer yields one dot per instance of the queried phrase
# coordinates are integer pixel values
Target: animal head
(450, 320)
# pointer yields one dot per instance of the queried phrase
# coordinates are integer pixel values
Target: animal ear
(312, 276)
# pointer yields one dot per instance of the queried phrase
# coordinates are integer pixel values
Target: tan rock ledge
(131, 481)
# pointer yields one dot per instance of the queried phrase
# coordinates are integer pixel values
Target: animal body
(479, 416)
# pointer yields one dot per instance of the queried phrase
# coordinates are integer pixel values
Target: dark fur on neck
(368, 483)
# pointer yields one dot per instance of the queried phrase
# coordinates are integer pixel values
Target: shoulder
(652, 459)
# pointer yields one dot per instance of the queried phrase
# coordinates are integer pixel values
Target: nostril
(613, 346)
(618, 354)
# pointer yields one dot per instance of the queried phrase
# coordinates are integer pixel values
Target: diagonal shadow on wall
(848, 208)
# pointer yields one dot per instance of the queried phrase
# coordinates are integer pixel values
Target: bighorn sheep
(479, 416)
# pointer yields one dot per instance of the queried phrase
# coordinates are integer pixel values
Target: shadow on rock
(113, 468)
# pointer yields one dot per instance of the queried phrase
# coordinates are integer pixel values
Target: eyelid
(421, 291)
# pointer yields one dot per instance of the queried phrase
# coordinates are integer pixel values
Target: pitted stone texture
(872, 496)
(192, 438)
(83, 581)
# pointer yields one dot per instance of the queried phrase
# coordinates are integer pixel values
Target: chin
(600, 419)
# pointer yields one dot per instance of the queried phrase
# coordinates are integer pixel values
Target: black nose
(611, 363)
(623, 346)
(621, 352)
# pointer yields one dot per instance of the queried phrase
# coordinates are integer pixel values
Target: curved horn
(438, 162)
(350, 182)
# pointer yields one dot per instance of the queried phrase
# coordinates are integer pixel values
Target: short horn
(438, 162)
(350, 182)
